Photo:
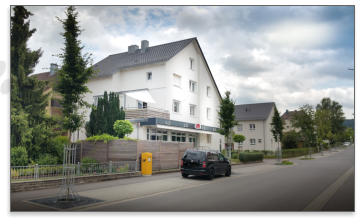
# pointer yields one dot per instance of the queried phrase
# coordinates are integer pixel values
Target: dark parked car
(204, 163)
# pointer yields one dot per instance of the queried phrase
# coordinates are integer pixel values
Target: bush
(251, 156)
(47, 159)
(89, 160)
(18, 156)
(58, 145)
(123, 128)
(290, 140)
(297, 152)
(286, 162)
(234, 155)
(104, 137)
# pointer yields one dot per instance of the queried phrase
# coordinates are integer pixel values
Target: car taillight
(204, 164)
(182, 163)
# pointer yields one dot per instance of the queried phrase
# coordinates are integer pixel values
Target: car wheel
(211, 174)
(184, 175)
(228, 172)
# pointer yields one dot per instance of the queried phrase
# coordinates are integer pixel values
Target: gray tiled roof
(257, 111)
(155, 54)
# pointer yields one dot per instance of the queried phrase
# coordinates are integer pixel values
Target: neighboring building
(254, 122)
(54, 107)
(167, 92)
(287, 121)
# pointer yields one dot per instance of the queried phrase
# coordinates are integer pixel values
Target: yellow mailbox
(146, 163)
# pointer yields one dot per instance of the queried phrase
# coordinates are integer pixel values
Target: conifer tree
(74, 73)
(227, 119)
(30, 127)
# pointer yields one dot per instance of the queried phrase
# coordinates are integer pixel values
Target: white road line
(319, 202)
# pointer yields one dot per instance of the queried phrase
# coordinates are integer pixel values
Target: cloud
(291, 55)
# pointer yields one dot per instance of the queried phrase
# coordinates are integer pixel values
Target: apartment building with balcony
(167, 91)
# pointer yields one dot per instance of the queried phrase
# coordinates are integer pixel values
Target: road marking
(319, 202)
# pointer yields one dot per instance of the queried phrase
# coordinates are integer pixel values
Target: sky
(290, 55)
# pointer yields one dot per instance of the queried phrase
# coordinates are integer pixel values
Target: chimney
(144, 45)
(132, 48)
(53, 68)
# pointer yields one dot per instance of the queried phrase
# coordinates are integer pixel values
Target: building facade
(254, 122)
(167, 92)
(54, 107)
(287, 121)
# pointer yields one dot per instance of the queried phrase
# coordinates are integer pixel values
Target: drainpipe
(264, 133)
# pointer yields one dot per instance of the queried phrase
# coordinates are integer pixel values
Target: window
(220, 157)
(149, 75)
(252, 141)
(176, 106)
(191, 63)
(208, 137)
(252, 126)
(192, 138)
(259, 140)
(208, 113)
(208, 91)
(192, 110)
(177, 80)
(157, 135)
(178, 137)
(239, 127)
(95, 103)
(192, 86)
(211, 156)
(55, 103)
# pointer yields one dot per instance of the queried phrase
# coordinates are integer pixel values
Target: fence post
(36, 171)
(78, 169)
(110, 166)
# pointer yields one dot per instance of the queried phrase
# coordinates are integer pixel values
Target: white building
(254, 122)
(167, 92)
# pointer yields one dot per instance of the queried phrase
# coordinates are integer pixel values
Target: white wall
(163, 91)
(262, 131)
(180, 65)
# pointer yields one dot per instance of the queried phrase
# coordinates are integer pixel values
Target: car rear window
(194, 155)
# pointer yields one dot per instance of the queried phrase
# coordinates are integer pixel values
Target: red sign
(198, 126)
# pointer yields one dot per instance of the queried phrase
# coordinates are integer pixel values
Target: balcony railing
(147, 112)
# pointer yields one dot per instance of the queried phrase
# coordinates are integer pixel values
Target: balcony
(147, 112)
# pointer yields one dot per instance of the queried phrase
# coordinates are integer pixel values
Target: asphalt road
(325, 183)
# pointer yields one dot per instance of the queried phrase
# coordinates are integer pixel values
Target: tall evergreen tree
(103, 116)
(277, 126)
(29, 126)
(227, 119)
(74, 73)
(27, 92)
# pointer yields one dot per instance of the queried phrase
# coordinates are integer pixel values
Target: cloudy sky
(289, 55)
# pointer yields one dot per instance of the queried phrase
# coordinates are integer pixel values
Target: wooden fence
(165, 155)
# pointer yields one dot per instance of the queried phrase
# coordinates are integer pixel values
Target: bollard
(78, 169)
(36, 171)
(110, 167)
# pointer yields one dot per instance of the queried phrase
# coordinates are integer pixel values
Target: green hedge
(251, 156)
(286, 153)
(234, 155)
